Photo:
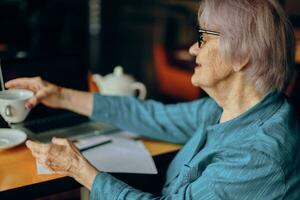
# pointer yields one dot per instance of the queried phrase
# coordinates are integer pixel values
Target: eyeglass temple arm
(209, 32)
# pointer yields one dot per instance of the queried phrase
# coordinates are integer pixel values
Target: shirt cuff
(105, 186)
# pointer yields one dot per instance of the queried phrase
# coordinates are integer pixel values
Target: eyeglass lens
(200, 39)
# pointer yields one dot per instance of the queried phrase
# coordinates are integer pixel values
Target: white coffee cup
(12, 104)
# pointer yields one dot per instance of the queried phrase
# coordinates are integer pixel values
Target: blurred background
(149, 39)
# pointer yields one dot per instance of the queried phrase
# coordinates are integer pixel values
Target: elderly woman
(240, 143)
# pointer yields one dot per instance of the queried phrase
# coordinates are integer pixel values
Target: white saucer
(11, 137)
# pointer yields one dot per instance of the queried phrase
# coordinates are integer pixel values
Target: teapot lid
(118, 76)
(118, 71)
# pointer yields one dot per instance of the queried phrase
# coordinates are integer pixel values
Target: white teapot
(118, 83)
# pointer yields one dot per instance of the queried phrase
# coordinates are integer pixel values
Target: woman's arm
(234, 173)
(77, 101)
(172, 123)
(54, 96)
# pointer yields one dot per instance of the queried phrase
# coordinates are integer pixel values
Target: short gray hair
(254, 29)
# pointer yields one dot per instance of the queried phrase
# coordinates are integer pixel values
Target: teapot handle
(97, 79)
(141, 88)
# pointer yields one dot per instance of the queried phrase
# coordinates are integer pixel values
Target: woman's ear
(241, 64)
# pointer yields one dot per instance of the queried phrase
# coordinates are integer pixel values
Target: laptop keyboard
(64, 121)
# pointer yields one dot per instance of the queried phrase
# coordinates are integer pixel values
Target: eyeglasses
(200, 36)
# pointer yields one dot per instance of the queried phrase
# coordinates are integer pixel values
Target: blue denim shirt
(253, 156)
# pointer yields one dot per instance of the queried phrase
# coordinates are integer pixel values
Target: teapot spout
(98, 79)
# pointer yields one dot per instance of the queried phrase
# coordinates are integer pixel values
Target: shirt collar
(258, 113)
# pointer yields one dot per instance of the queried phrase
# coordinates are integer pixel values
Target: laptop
(42, 122)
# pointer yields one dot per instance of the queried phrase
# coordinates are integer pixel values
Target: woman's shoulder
(279, 136)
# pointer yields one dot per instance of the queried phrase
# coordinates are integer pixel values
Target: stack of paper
(122, 154)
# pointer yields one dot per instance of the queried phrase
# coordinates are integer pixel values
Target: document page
(119, 153)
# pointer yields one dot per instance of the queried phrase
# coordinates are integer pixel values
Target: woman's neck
(235, 97)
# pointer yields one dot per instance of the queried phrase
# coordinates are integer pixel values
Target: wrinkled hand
(61, 156)
(44, 92)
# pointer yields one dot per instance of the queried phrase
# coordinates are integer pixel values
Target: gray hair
(258, 30)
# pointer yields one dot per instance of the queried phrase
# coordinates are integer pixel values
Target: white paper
(90, 141)
(122, 155)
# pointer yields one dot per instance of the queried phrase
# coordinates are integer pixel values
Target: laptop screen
(68, 71)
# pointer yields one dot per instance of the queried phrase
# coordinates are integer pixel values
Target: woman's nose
(194, 49)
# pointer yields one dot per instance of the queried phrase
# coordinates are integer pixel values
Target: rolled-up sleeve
(173, 123)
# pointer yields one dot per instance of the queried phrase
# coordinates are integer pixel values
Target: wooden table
(18, 170)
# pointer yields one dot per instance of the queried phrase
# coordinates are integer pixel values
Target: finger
(45, 163)
(54, 163)
(37, 147)
(37, 98)
(60, 141)
(29, 143)
(16, 82)
(32, 83)
(65, 142)
(32, 102)
(19, 83)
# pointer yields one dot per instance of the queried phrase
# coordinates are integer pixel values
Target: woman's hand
(44, 92)
(54, 96)
(61, 156)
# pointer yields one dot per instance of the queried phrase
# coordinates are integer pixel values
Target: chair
(173, 80)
